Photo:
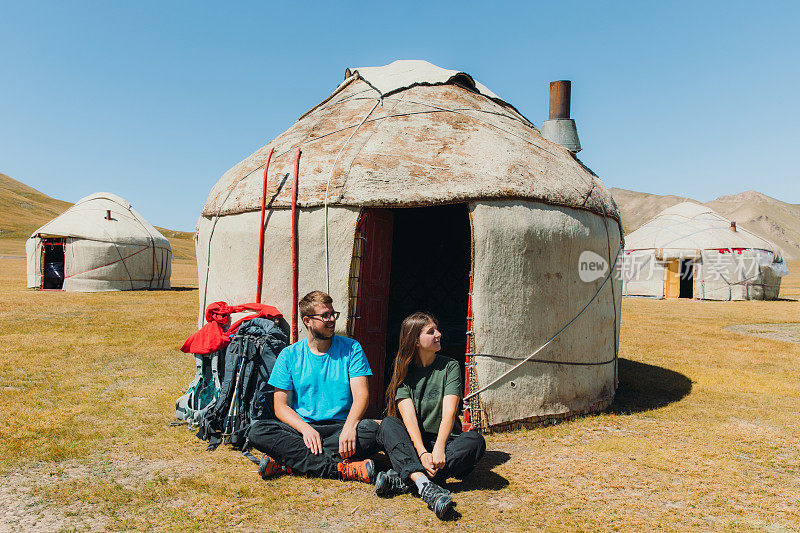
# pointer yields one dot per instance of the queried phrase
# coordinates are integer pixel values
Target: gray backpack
(204, 389)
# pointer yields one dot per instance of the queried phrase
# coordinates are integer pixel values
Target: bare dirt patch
(789, 332)
(32, 497)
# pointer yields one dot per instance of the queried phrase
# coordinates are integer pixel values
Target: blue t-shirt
(321, 383)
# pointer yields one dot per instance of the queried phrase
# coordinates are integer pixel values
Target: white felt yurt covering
(410, 138)
(123, 252)
(717, 259)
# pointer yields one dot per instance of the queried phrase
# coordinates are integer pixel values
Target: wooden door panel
(372, 308)
(672, 287)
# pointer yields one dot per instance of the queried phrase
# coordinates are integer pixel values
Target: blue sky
(155, 100)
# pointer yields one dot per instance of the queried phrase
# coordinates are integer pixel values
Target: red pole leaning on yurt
(466, 421)
(294, 244)
(261, 227)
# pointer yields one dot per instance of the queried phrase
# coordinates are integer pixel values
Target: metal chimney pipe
(561, 129)
(560, 93)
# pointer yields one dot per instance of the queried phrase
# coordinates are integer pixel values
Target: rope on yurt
(108, 264)
(542, 347)
(121, 259)
(327, 190)
(613, 295)
(261, 228)
(521, 119)
(233, 187)
(458, 112)
(153, 245)
(307, 141)
(614, 302)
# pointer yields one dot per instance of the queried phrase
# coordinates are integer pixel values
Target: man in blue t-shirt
(321, 393)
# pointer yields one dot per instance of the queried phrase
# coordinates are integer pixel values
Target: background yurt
(99, 244)
(414, 187)
(690, 251)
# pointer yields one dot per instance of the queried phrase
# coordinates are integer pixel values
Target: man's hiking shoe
(390, 483)
(438, 499)
(269, 467)
(363, 471)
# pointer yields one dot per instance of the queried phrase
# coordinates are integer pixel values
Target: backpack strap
(215, 371)
(246, 452)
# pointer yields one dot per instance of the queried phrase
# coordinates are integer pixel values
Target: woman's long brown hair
(410, 330)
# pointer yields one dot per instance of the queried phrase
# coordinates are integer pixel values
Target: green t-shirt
(427, 386)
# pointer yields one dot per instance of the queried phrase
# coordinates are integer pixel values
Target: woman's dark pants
(461, 452)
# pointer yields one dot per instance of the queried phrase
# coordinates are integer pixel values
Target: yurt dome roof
(693, 226)
(87, 220)
(111, 197)
(411, 134)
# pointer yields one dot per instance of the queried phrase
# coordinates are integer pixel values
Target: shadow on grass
(182, 289)
(643, 387)
(483, 478)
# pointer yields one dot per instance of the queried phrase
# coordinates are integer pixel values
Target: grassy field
(704, 434)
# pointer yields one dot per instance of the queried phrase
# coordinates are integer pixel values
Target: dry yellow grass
(704, 434)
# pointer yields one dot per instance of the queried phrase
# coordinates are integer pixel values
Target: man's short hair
(312, 299)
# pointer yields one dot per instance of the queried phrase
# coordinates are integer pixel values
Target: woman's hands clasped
(433, 461)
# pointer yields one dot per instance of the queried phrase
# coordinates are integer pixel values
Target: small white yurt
(412, 187)
(689, 251)
(99, 244)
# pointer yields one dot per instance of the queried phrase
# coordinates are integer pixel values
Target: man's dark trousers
(461, 452)
(285, 444)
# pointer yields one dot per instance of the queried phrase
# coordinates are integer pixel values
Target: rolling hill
(24, 209)
(768, 217)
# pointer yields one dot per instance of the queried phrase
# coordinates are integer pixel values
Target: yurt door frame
(58, 245)
(406, 260)
(679, 278)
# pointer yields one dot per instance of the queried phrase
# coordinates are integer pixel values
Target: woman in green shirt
(422, 433)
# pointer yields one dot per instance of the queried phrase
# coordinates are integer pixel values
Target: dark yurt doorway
(687, 278)
(407, 260)
(53, 263)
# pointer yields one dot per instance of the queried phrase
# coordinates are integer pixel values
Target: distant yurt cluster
(99, 244)
(412, 187)
(690, 251)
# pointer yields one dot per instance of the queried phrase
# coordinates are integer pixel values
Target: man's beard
(319, 336)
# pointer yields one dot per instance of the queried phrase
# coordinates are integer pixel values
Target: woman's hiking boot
(390, 483)
(363, 471)
(438, 499)
(269, 467)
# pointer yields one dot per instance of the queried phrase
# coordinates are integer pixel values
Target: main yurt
(99, 244)
(412, 187)
(690, 251)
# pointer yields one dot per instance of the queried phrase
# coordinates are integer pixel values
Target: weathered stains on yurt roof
(423, 136)
(694, 227)
(86, 220)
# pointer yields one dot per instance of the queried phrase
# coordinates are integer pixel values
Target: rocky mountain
(768, 217)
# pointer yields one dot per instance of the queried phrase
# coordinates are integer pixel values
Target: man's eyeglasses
(326, 316)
